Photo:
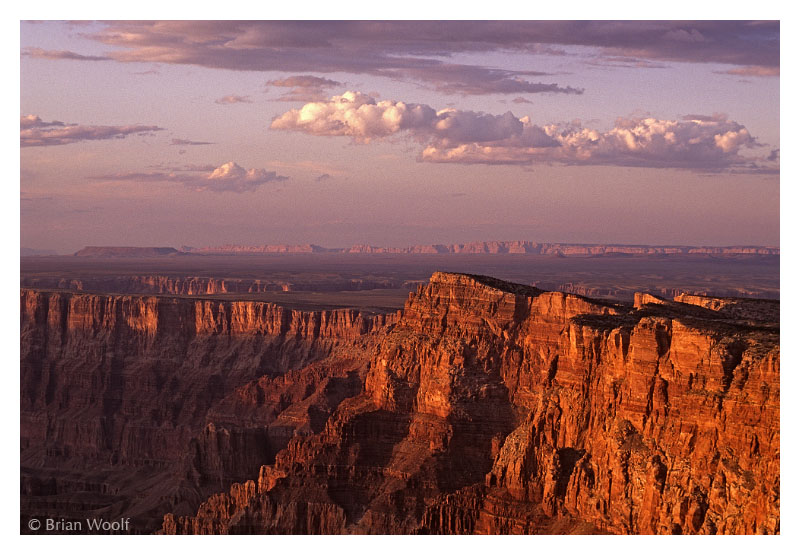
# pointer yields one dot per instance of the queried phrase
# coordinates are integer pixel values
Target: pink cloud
(31, 121)
(35, 132)
(229, 177)
(754, 71)
(233, 99)
(303, 88)
(416, 50)
(61, 55)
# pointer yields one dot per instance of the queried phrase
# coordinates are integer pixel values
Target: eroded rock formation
(116, 391)
(488, 407)
(492, 407)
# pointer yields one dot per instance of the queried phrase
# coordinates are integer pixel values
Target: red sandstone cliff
(116, 391)
(497, 408)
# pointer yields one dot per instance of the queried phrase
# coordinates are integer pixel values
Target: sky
(396, 133)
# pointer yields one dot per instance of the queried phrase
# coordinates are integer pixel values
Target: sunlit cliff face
(386, 133)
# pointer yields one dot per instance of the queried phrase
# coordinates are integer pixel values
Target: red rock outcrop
(497, 408)
(116, 391)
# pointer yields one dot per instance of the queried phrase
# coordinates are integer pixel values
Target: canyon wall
(498, 408)
(116, 391)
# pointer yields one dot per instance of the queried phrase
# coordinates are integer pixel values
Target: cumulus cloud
(415, 49)
(356, 115)
(303, 88)
(232, 177)
(227, 178)
(363, 118)
(233, 99)
(35, 132)
(187, 142)
(704, 143)
(640, 142)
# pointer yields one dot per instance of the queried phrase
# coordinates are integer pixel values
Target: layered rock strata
(116, 391)
(497, 408)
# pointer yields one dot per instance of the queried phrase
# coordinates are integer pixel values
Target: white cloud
(232, 177)
(458, 136)
(356, 115)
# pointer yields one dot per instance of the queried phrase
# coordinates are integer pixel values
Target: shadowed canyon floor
(482, 407)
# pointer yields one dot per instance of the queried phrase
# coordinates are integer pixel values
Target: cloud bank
(35, 132)
(702, 143)
(397, 50)
(227, 178)
(418, 50)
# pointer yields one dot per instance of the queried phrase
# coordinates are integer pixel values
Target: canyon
(115, 389)
(483, 406)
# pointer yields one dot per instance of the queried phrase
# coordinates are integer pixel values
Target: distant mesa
(260, 249)
(476, 247)
(495, 247)
(126, 252)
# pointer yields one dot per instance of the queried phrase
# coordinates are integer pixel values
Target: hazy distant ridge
(126, 252)
(491, 247)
